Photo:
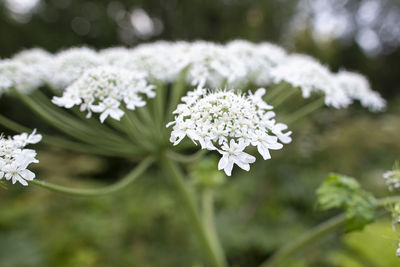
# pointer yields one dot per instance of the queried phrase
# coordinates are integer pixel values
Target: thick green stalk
(189, 204)
(207, 199)
(315, 233)
(125, 181)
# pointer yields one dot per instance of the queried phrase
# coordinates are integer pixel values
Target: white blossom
(104, 90)
(233, 154)
(357, 87)
(228, 122)
(237, 64)
(312, 77)
(39, 61)
(68, 65)
(15, 158)
(213, 65)
(258, 59)
(14, 74)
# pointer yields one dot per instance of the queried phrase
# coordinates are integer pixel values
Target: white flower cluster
(15, 158)
(392, 179)
(67, 66)
(339, 89)
(102, 89)
(14, 74)
(236, 64)
(357, 87)
(229, 122)
(258, 60)
(312, 77)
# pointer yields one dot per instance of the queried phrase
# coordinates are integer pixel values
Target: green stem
(274, 91)
(207, 198)
(304, 240)
(108, 138)
(177, 90)
(76, 133)
(288, 93)
(186, 158)
(317, 232)
(188, 201)
(61, 142)
(87, 124)
(158, 104)
(305, 110)
(129, 178)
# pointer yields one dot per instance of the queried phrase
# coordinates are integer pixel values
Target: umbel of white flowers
(15, 158)
(233, 65)
(102, 89)
(229, 122)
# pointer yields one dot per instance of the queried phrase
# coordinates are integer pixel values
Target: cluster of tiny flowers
(228, 122)
(392, 179)
(15, 158)
(14, 74)
(103, 89)
(312, 77)
(236, 64)
(258, 60)
(357, 87)
(67, 66)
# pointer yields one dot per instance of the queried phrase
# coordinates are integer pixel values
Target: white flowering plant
(159, 103)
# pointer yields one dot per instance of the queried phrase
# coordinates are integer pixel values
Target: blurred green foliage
(256, 214)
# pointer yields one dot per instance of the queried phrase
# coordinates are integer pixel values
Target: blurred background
(142, 225)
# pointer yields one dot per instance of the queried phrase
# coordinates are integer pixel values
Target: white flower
(25, 139)
(68, 65)
(264, 142)
(105, 89)
(283, 137)
(19, 76)
(228, 122)
(18, 173)
(357, 87)
(15, 158)
(233, 154)
(312, 77)
(236, 64)
(257, 99)
(38, 60)
(213, 65)
(109, 107)
(258, 59)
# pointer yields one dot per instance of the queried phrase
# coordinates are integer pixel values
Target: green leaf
(339, 191)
